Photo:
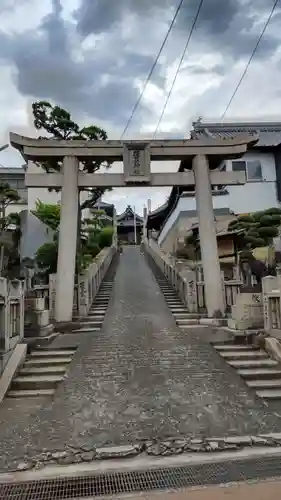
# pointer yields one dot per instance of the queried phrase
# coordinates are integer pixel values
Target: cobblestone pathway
(139, 377)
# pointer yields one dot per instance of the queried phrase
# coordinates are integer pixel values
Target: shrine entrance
(129, 227)
(201, 159)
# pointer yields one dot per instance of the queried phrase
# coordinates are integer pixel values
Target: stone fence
(11, 317)
(189, 282)
(271, 288)
(86, 288)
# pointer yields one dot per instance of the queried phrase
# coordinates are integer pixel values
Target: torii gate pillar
(208, 240)
(67, 240)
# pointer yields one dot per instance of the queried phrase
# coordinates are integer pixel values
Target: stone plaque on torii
(136, 156)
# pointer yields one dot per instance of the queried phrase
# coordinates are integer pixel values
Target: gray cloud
(225, 25)
(100, 84)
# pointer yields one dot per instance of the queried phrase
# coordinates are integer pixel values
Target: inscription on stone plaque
(136, 159)
(136, 162)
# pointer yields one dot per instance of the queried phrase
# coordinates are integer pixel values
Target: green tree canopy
(58, 124)
(259, 227)
(48, 213)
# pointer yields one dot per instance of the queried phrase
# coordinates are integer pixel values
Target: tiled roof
(269, 133)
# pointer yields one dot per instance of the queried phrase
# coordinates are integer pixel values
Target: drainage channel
(113, 483)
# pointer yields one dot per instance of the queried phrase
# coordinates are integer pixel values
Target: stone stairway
(254, 365)
(41, 372)
(183, 317)
(95, 318)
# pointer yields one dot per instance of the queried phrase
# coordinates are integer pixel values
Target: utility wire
(152, 68)
(250, 60)
(179, 67)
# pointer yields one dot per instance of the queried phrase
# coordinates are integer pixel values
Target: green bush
(46, 257)
(93, 249)
(268, 232)
(245, 218)
(259, 227)
(105, 237)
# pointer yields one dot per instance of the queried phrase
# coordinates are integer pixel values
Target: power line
(179, 67)
(152, 68)
(250, 60)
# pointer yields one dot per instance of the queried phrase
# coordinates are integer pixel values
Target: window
(252, 169)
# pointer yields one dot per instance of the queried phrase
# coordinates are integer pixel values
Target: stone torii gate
(200, 158)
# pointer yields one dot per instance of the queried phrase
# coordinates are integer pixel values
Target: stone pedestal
(37, 318)
(208, 241)
(247, 313)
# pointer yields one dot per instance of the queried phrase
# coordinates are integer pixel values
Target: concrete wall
(34, 235)
(250, 197)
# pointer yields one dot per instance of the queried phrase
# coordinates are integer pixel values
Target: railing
(11, 313)
(86, 288)
(271, 288)
(188, 282)
(89, 283)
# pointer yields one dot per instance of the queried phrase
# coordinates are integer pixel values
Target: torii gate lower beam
(136, 157)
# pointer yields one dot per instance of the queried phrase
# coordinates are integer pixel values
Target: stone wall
(11, 318)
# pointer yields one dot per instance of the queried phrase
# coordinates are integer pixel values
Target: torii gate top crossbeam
(136, 157)
(40, 149)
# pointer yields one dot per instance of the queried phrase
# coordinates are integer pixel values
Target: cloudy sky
(93, 56)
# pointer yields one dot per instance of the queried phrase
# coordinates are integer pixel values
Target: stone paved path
(139, 377)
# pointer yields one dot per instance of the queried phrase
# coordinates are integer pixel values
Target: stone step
(247, 354)
(173, 302)
(94, 323)
(264, 384)
(187, 321)
(185, 315)
(269, 393)
(252, 363)
(87, 330)
(263, 373)
(42, 370)
(52, 352)
(34, 393)
(91, 317)
(40, 361)
(234, 347)
(179, 310)
(95, 310)
(27, 382)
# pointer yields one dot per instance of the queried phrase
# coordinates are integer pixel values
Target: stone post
(208, 240)
(115, 234)
(67, 241)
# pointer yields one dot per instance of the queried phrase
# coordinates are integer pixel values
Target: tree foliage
(94, 237)
(46, 258)
(259, 227)
(48, 213)
(58, 124)
(8, 246)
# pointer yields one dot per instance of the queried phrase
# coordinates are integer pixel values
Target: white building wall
(250, 197)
